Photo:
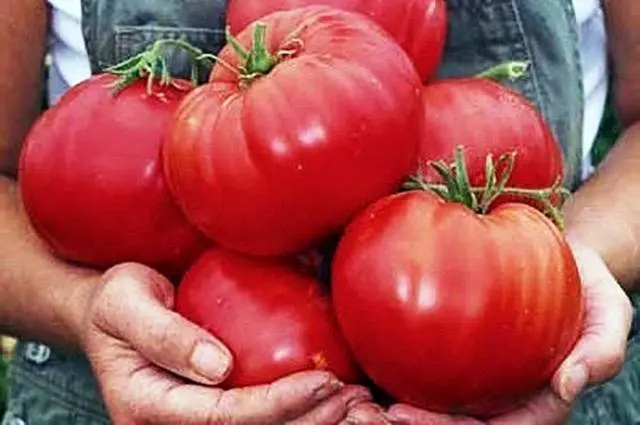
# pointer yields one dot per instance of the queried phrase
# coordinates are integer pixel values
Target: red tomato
(419, 26)
(278, 163)
(488, 118)
(92, 183)
(452, 311)
(274, 319)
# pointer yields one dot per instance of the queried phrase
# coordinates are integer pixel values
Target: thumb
(599, 353)
(135, 305)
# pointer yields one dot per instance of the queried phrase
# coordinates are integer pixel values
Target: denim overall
(49, 387)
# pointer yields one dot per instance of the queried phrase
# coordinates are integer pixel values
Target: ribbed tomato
(275, 319)
(419, 26)
(487, 117)
(452, 311)
(280, 149)
(92, 181)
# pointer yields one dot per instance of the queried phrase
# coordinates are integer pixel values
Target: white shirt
(69, 58)
(70, 62)
(593, 52)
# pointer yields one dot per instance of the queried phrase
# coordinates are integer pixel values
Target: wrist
(74, 304)
(615, 246)
(48, 296)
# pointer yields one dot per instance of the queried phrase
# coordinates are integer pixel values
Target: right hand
(155, 367)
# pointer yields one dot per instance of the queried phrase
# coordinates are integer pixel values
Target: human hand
(597, 356)
(154, 366)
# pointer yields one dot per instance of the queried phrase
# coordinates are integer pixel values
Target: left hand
(597, 357)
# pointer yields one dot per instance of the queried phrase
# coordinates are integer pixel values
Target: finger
(334, 409)
(366, 414)
(545, 409)
(135, 306)
(277, 403)
(402, 414)
(136, 391)
(599, 353)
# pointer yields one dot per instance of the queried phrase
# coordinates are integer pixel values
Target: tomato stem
(462, 181)
(152, 65)
(509, 70)
(257, 61)
(236, 46)
(260, 61)
(457, 188)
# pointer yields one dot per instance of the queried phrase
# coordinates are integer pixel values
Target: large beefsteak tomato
(275, 319)
(487, 117)
(453, 311)
(279, 150)
(419, 26)
(92, 182)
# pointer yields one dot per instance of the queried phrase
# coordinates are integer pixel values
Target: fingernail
(573, 382)
(210, 362)
(329, 387)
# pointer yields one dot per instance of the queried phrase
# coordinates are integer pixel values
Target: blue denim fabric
(116, 30)
(49, 387)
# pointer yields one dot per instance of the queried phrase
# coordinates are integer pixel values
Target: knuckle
(122, 269)
(102, 313)
(163, 334)
(110, 311)
(99, 312)
(166, 334)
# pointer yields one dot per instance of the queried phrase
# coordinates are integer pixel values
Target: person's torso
(567, 79)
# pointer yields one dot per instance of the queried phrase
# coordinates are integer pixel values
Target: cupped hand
(154, 367)
(597, 356)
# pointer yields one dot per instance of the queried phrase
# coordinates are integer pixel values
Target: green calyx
(258, 61)
(456, 186)
(152, 65)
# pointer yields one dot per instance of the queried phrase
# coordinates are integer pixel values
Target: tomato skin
(488, 118)
(278, 167)
(419, 26)
(455, 312)
(92, 183)
(275, 319)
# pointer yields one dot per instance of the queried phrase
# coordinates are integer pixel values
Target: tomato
(419, 26)
(273, 161)
(275, 319)
(453, 311)
(92, 183)
(488, 118)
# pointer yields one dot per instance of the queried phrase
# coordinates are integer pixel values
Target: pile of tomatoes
(325, 125)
